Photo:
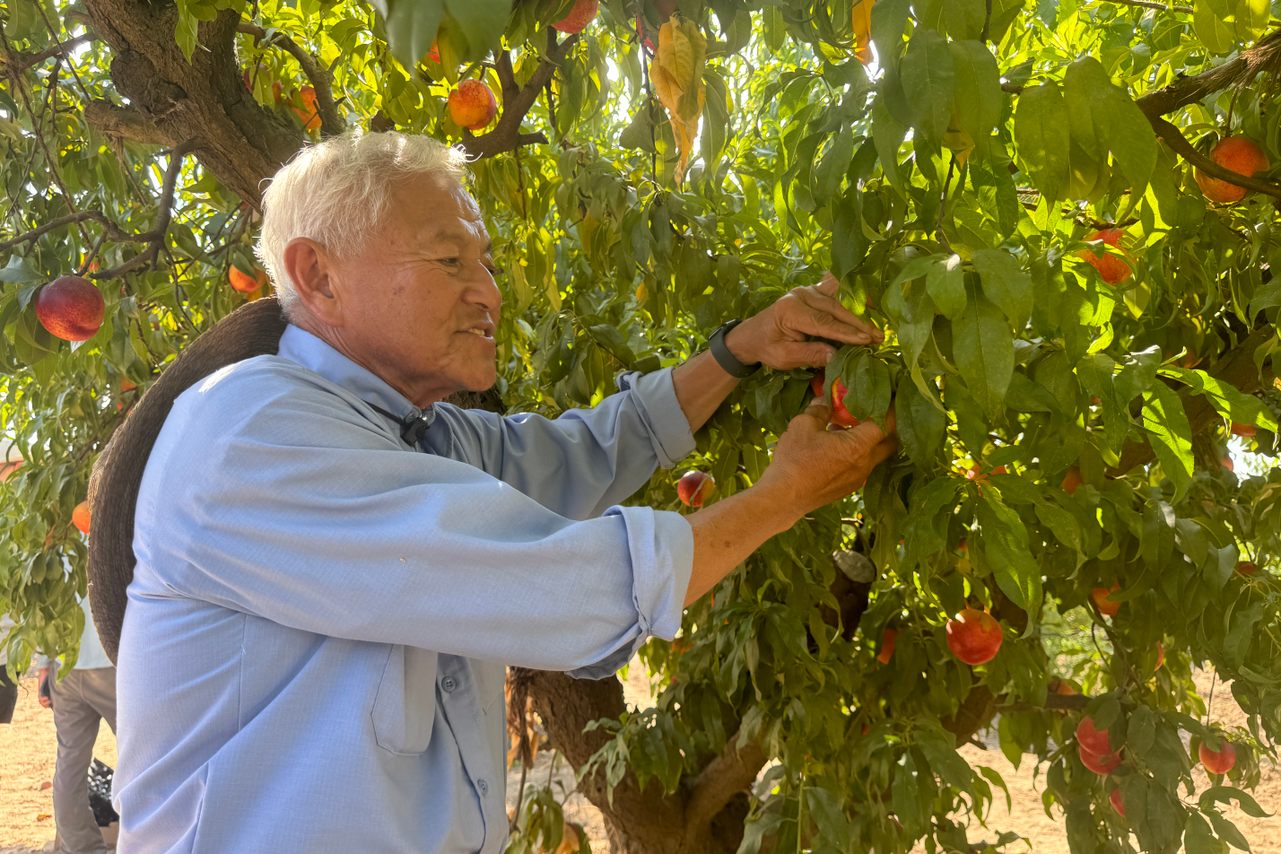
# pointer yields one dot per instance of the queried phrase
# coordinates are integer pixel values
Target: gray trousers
(81, 699)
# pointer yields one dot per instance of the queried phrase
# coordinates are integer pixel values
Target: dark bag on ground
(100, 775)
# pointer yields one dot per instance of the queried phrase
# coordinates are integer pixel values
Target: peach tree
(1034, 200)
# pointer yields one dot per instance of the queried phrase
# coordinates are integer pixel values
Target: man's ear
(310, 267)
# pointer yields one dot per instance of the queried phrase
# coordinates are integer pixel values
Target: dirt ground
(28, 747)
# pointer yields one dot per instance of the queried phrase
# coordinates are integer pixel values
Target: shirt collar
(313, 353)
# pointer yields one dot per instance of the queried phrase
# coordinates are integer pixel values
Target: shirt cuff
(661, 545)
(655, 397)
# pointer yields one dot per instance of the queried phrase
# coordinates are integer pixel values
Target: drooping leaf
(984, 350)
(677, 75)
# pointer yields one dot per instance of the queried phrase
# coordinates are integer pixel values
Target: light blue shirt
(313, 655)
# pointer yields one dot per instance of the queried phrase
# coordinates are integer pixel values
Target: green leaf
(1228, 832)
(945, 283)
(1005, 550)
(1226, 399)
(1039, 131)
(921, 426)
(887, 134)
(869, 389)
(984, 351)
(1080, 91)
(1170, 436)
(1006, 284)
(927, 77)
(1198, 838)
(978, 96)
(411, 26)
(828, 813)
(1228, 795)
(481, 22)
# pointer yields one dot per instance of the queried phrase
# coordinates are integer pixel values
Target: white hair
(338, 191)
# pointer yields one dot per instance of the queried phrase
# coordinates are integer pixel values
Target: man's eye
(450, 262)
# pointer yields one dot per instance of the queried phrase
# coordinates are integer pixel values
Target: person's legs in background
(76, 702)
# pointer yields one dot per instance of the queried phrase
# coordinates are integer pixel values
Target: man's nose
(484, 291)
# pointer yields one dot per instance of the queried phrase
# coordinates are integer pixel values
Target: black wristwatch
(726, 359)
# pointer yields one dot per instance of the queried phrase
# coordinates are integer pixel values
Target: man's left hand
(783, 336)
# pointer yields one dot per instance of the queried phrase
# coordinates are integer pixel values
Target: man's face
(419, 304)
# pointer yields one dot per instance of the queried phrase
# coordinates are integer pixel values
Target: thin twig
(110, 229)
(1151, 4)
(22, 61)
(156, 236)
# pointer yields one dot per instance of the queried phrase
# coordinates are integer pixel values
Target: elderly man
(313, 655)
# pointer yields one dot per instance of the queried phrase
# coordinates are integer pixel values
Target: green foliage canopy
(953, 184)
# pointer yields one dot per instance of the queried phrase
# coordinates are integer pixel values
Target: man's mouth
(486, 332)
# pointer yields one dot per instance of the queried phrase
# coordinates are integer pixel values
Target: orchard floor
(28, 747)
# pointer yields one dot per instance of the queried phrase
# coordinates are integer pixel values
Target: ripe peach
(1071, 481)
(1113, 268)
(1117, 803)
(974, 636)
(695, 487)
(578, 18)
(246, 283)
(80, 517)
(840, 416)
(472, 105)
(1091, 738)
(307, 111)
(1245, 431)
(1247, 567)
(1099, 763)
(71, 308)
(1103, 600)
(887, 646)
(1063, 688)
(1219, 761)
(1238, 154)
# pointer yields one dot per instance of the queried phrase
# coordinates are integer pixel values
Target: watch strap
(721, 353)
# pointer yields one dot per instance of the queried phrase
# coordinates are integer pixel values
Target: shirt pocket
(405, 705)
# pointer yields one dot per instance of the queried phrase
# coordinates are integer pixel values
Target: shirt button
(448, 683)
(483, 786)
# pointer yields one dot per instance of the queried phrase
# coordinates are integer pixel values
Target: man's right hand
(814, 466)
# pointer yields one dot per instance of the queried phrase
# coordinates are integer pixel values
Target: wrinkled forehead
(433, 209)
(435, 204)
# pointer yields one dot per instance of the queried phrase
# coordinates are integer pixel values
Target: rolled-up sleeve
(583, 461)
(306, 514)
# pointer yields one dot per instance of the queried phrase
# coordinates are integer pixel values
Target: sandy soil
(28, 748)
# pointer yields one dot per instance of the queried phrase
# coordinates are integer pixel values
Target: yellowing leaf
(677, 74)
(861, 20)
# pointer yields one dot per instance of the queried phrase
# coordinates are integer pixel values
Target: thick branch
(124, 123)
(719, 781)
(517, 101)
(330, 122)
(1264, 55)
